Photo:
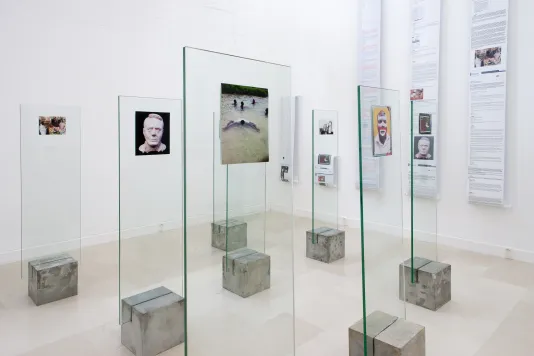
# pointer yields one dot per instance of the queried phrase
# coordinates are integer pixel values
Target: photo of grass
(244, 124)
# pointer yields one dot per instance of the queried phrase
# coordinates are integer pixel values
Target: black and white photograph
(423, 147)
(152, 133)
(52, 125)
(244, 124)
(425, 124)
(326, 127)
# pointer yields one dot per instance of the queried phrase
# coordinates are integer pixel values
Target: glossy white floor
(492, 311)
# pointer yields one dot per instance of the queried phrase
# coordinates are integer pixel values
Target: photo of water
(244, 128)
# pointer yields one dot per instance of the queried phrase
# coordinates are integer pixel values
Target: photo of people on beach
(52, 125)
(487, 57)
(244, 124)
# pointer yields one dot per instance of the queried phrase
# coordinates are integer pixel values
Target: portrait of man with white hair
(152, 133)
(423, 147)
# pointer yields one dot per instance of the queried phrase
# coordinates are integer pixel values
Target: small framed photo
(381, 131)
(417, 94)
(425, 124)
(326, 127)
(152, 133)
(52, 125)
(423, 146)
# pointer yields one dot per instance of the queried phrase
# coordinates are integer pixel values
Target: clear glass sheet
(215, 191)
(150, 190)
(325, 143)
(381, 211)
(50, 148)
(50, 168)
(423, 179)
(239, 193)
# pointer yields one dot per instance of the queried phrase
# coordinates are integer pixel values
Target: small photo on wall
(52, 125)
(417, 94)
(326, 127)
(152, 133)
(381, 131)
(244, 124)
(487, 57)
(423, 146)
(425, 124)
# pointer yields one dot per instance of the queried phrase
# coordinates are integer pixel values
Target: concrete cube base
(152, 322)
(52, 278)
(387, 335)
(237, 234)
(246, 272)
(432, 287)
(325, 244)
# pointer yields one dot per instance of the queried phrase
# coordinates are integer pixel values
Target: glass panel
(50, 147)
(423, 157)
(325, 142)
(150, 190)
(381, 211)
(50, 163)
(233, 110)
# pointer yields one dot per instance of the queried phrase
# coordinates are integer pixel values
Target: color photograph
(152, 133)
(425, 124)
(244, 124)
(381, 131)
(417, 94)
(487, 57)
(52, 125)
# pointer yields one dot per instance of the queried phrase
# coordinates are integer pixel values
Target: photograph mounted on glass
(381, 131)
(52, 125)
(326, 127)
(423, 146)
(244, 124)
(425, 124)
(152, 133)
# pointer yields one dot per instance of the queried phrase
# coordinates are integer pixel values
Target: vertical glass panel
(423, 179)
(381, 211)
(50, 147)
(150, 189)
(238, 221)
(325, 142)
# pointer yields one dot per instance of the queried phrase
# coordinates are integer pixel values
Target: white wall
(88, 52)
(474, 227)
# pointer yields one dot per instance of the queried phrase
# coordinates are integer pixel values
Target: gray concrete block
(387, 335)
(237, 234)
(402, 338)
(246, 272)
(152, 322)
(52, 278)
(376, 323)
(325, 244)
(432, 287)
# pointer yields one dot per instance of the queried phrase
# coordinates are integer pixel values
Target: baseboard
(486, 249)
(442, 240)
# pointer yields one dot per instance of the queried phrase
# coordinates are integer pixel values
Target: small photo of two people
(52, 125)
